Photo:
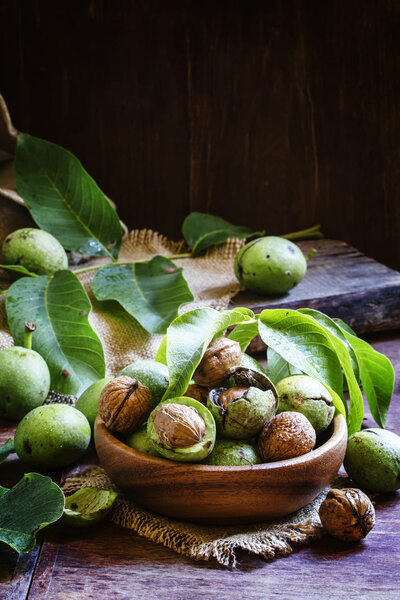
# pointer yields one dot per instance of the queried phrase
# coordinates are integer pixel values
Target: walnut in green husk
(347, 514)
(244, 404)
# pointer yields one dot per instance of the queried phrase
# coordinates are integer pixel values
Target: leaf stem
(28, 332)
(312, 233)
(311, 254)
(95, 267)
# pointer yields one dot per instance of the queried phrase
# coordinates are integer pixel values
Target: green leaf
(278, 367)
(59, 307)
(18, 269)
(343, 350)
(34, 502)
(377, 377)
(335, 329)
(6, 449)
(151, 292)
(244, 333)
(303, 343)
(64, 200)
(187, 339)
(202, 230)
(161, 355)
(251, 363)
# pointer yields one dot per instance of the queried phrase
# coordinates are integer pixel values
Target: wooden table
(112, 563)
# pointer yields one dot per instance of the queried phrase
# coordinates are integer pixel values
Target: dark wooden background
(275, 114)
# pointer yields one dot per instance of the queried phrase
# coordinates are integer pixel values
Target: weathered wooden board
(341, 282)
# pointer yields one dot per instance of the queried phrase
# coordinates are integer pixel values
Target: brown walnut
(347, 514)
(179, 426)
(231, 394)
(197, 392)
(220, 357)
(287, 435)
(124, 404)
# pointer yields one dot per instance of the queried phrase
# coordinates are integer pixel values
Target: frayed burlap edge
(266, 540)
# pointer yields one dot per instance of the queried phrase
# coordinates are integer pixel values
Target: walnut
(124, 404)
(197, 392)
(230, 394)
(220, 357)
(179, 426)
(347, 514)
(287, 435)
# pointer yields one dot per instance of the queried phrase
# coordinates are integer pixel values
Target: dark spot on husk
(291, 249)
(27, 446)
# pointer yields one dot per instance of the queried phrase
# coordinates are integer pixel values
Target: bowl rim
(339, 431)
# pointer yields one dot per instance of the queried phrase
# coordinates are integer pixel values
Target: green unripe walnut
(54, 435)
(139, 440)
(270, 265)
(150, 373)
(34, 249)
(373, 460)
(306, 395)
(88, 401)
(233, 453)
(24, 381)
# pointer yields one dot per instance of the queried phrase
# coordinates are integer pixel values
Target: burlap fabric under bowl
(212, 282)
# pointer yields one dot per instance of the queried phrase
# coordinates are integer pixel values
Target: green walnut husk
(150, 373)
(87, 506)
(53, 435)
(88, 401)
(270, 265)
(233, 453)
(373, 460)
(139, 440)
(242, 406)
(306, 395)
(163, 433)
(34, 249)
(24, 381)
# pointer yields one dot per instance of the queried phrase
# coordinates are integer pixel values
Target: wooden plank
(341, 282)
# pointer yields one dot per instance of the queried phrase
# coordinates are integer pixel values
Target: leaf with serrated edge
(187, 339)
(302, 342)
(64, 200)
(151, 292)
(34, 502)
(202, 230)
(376, 374)
(59, 307)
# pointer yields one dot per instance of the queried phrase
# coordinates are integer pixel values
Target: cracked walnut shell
(124, 404)
(347, 514)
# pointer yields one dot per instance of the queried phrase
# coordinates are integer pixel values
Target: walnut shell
(124, 404)
(197, 392)
(179, 426)
(220, 357)
(347, 514)
(287, 435)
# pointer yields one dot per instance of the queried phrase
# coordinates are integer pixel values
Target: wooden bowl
(219, 495)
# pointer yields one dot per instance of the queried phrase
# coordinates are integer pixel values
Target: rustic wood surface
(341, 282)
(111, 562)
(275, 114)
